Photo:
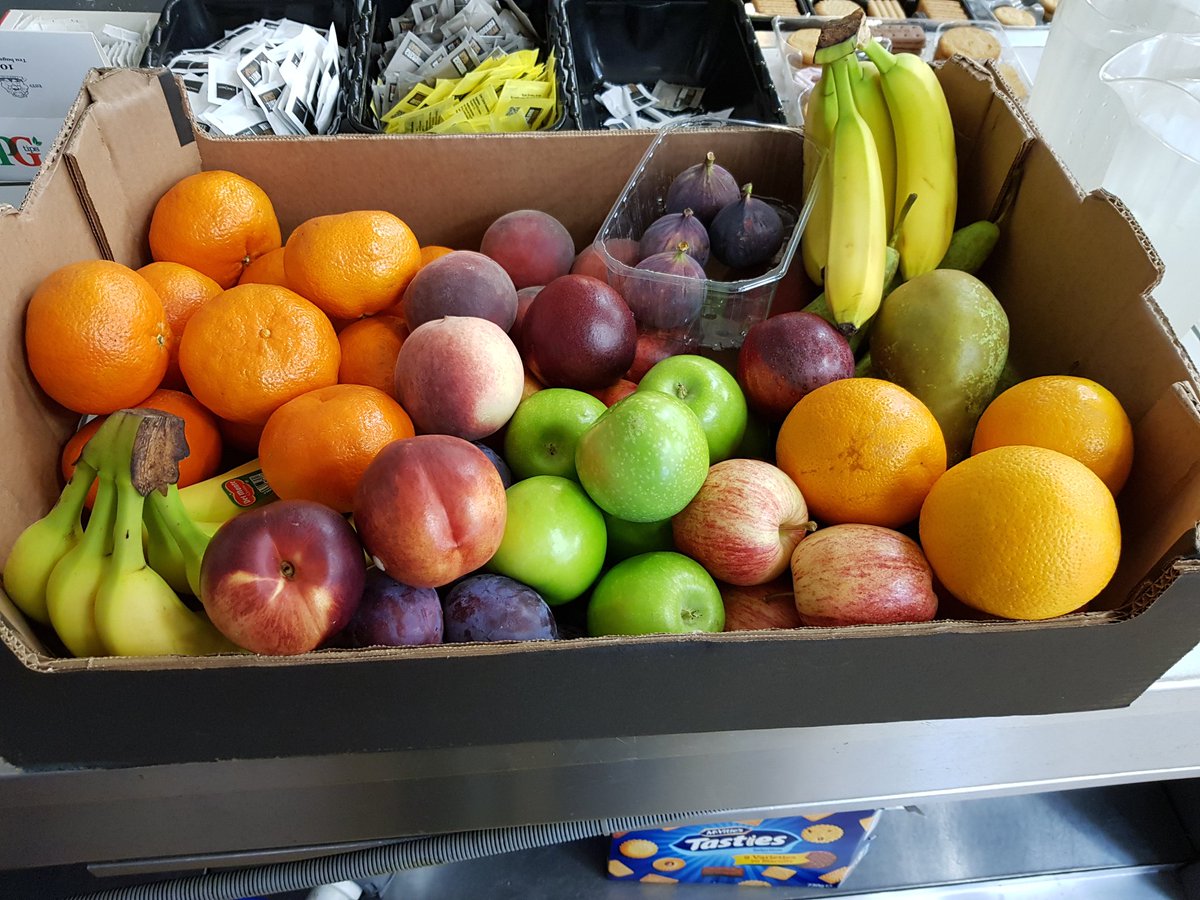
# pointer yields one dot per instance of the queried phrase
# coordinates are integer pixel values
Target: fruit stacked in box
(352, 439)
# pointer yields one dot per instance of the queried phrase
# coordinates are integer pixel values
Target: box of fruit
(551, 555)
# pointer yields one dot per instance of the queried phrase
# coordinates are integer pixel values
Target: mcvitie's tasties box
(817, 850)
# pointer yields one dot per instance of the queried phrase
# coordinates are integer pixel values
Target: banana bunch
(889, 169)
(93, 585)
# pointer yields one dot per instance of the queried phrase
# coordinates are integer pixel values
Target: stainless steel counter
(243, 806)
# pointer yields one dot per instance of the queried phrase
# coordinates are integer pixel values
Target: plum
(579, 333)
(496, 608)
(591, 262)
(532, 246)
(461, 283)
(392, 614)
(666, 302)
(785, 357)
(705, 188)
(524, 299)
(668, 232)
(747, 232)
(506, 475)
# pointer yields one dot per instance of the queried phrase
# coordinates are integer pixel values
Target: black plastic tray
(371, 30)
(707, 43)
(192, 24)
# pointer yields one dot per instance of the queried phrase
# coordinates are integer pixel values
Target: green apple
(554, 538)
(543, 432)
(655, 593)
(644, 459)
(626, 539)
(710, 392)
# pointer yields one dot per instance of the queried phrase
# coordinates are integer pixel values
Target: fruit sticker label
(817, 850)
(248, 490)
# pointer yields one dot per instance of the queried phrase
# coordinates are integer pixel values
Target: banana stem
(901, 215)
(128, 555)
(65, 515)
(841, 81)
(189, 537)
(878, 55)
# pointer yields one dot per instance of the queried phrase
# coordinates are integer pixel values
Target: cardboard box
(1072, 272)
(40, 75)
(816, 850)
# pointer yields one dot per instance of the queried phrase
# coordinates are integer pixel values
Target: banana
(137, 613)
(819, 118)
(820, 305)
(858, 228)
(925, 160)
(188, 538)
(868, 97)
(71, 590)
(228, 495)
(39, 547)
(162, 552)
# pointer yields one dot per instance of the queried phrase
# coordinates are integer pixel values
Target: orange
(1072, 415)
(352, 264)
(317, 446)
(267, 269)
(199, 428)
(1021, 532)
(182, 290)
(862, 450)
(96, 335)
(216, 222)
(432, 252)
(369, 350)
(254, 348)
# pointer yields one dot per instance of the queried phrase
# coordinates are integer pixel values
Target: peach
(532, 246)
(461, 283)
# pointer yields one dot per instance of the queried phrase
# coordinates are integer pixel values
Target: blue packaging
(817, 850)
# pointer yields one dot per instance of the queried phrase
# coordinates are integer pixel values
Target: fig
(669, 231)
(747, 232)
(663, 303)
(705, 188)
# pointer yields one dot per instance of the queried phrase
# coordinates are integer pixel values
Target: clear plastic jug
(1079, 117)
(1155, 166)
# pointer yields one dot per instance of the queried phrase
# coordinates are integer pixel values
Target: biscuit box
(811, 851)
(1074, 275)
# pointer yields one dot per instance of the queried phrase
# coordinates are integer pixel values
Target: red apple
(752, 608)
(282, 579)
(862, 575)
(786, 357)
(578, 333)
(430, 509)
(651, 350)
(614, 392)
(744, 523)
(459, 375)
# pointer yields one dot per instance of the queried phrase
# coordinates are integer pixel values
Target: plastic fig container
(771, 157)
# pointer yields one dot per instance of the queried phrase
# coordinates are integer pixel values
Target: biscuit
(837, 8)
(669, 864)
(885, 9)
(904, 38)
(618, 869)
(818, 859)
(804, 42)
(1014, 81)
(776, 7)
(969, 41)
(941, 9)
(822, 834)
(1010, 15)
(753, 822)
(754, 883)
(638, 849)
(836, 876)
(1049, 8)
(817, 817)
(722, 872)
(867, 822)
(779, 873)
(658, 879)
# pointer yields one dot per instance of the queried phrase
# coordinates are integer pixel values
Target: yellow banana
(39, 547)
(137, 613)
(925, 160)
(71, 590)
(228, 495)
(819, 117)
(868, 97)
(858, 225)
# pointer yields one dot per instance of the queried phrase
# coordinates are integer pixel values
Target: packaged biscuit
(817, 850)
